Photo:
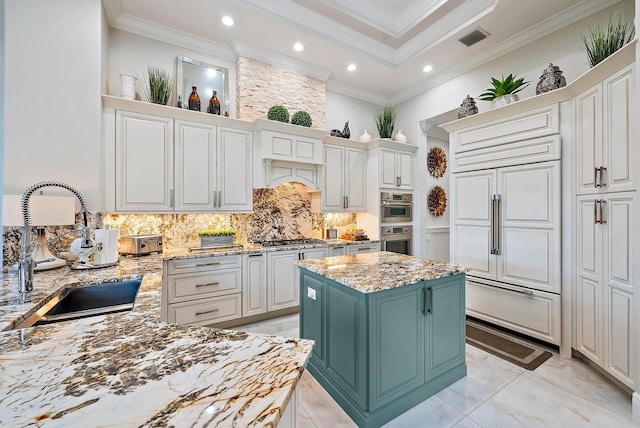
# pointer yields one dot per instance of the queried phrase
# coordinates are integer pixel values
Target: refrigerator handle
(498, 215)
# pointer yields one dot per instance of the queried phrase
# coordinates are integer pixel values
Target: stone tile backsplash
(283, 212)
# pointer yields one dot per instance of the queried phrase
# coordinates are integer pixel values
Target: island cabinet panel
(397, 344)
(380, 353)
(345, 355)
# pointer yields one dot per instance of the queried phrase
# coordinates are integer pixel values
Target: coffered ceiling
(389, 41)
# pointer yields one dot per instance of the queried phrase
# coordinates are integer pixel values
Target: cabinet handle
(347, 204)
(595, 177)
(499, 226)
(429, 300)
(219, 198)
(207, 264)
(397, 181)
(526, 292)
(172, 198)
(215, 198)
(255, 255)
(595, 212)
(207, 285)
(602, 170)
(207, 312)
(495, 224)
(602, 220)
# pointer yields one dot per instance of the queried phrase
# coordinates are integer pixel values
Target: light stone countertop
(130, 369)
(373, 272)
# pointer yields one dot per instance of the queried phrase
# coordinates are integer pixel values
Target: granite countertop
(130, 369)
(251, 248)
(372, 272)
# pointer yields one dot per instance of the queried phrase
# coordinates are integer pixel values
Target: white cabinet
(344, 184)
(254, 284)
(506, 224)
(202, 291)
(505, 201)
(167, 164)
(396, 169)
(282, 272)
(336, 250)
(605, 116)
(605, 278)
(144, 162)
(606, 224)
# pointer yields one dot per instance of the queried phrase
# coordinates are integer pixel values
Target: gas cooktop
(284, 242)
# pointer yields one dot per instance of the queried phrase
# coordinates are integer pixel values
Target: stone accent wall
(260, 86)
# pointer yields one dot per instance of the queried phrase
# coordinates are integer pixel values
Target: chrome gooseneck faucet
(25, 262)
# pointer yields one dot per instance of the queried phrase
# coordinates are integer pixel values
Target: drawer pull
(207, 312)
(207, 285)
(526, 292)
(208, 264)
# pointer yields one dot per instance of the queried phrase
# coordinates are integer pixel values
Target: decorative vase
(504, 100)
(214, 104)
(194, 99)
(400, 138)
(128, 86)
(551, 79)
(365, 137)
(467, 108)
(212, 241)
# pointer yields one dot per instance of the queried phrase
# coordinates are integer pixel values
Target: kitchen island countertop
(372, 272)
(130, 369)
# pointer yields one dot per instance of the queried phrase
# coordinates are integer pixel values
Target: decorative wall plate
(436, 162)
(437, 201)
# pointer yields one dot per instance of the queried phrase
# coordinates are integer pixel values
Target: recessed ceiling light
(228, 21)
(351, 67)
(298, 47)
(427, 68)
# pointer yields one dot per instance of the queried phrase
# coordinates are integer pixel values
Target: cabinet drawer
(198, 285)
(206, 311)
(358, 249)
(203, 263)
(531, 312)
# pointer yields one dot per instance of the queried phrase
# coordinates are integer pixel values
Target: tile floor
(562, 393)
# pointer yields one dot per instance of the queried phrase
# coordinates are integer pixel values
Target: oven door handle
(397, 204)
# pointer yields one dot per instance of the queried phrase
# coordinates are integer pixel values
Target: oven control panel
(396, 230)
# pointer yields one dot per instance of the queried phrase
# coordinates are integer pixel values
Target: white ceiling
(390, 41)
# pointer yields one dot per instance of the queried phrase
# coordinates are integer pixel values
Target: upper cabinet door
(619, 132)
(195, 158)
(355, 179)
(396, 169)
(405, 170)
(235, 174)
(588, 108)
(333, 192)
(605, 131)
(144, 162)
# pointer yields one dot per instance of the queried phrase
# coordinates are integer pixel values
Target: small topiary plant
(301, 118)
(279, 113)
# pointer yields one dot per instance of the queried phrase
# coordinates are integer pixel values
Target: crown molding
(169, 35)
(360, 94)
(544, 28)
(279, 60)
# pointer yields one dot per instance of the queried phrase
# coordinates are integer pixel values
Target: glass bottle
(179, 103)
(214, 104)
(194, 99)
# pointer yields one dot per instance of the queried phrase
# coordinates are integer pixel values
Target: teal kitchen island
(389, 330)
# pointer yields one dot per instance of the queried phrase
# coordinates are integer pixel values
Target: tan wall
(260, 86)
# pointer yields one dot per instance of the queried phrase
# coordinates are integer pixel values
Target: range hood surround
(290, 153)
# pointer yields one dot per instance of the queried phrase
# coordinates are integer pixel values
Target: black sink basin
(82, 302)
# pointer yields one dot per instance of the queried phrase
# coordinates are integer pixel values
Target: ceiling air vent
(474, 37)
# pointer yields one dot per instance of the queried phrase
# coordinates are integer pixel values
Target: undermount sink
(82, 302)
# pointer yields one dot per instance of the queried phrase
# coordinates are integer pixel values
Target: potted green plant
(504, 91)
(216, 237)
(385, 121)
(279, 113)
(160, 86)
(301, 118)
(604, 40)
